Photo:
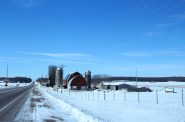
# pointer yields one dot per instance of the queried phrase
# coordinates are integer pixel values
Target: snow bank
(115, 108)
(11, 85)
(76, 113)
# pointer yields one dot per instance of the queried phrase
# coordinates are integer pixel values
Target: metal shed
(114, 85)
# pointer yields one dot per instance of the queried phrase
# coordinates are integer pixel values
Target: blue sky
(106, 36)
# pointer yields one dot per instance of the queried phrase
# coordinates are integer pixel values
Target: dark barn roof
(77, 81)
(74, 79)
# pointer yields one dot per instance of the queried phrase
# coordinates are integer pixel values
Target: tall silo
(59, 77)
(52, 73)
(88, 78)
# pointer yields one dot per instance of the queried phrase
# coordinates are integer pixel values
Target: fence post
(61, 90)
(157, 99)
(98, 95)
(114, 95)
(93, 94)
(104, 95)
(69, 92)
(182, 97)
(138, 97)
(125, 99)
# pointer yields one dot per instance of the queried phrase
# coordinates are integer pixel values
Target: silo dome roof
(59, 68)
(88, 72)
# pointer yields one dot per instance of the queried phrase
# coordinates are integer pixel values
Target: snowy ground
(10, 85)
(109, 106)
(38, 109)
(42, 107)
(171, 84)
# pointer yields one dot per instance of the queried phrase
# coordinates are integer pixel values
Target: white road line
(11, 102)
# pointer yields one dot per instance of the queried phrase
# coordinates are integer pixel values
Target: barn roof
(71, 75)
(77, 81)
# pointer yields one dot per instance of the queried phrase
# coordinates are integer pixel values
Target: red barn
(75, 81)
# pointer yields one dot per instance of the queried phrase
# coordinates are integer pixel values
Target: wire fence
(157, 96)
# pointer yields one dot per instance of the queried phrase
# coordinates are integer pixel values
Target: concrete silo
(88, 78)
(59, 77)
(52, 74)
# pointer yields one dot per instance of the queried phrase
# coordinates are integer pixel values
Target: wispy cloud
(2, 60)
(58, 55)
(153, 33)
(62, 61)
(136, 54)
(178, 16)
(9, 58)
(14, 59)
(172, 52)
(158, 29)
(68, 58)
(154, 53)
(162, 25)
(169, 69)
(27, 3)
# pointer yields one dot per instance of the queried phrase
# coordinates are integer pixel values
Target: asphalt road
(11, 101)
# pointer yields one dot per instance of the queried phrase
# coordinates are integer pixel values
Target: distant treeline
(17, 79)
(141, 79)
(42, 80)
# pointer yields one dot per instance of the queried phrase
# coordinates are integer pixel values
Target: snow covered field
(159, 84)
(42, 107)
(10, 85)
(115, 106)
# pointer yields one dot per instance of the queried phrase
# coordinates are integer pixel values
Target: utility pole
(7, 71)
(136, 76)
(182, 97)
(6, 76)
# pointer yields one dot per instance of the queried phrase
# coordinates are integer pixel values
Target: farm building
(43, 81)
(121, 85)
(114, 85)
(169, 90)
(75, 81)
